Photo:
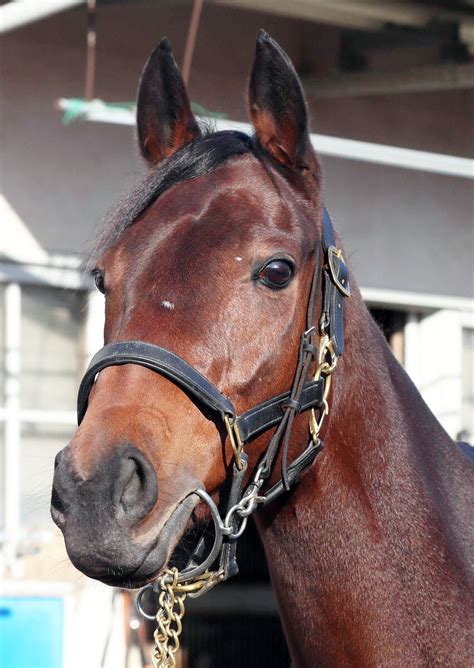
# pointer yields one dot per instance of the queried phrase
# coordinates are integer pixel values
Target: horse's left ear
(277, 106)
(165, 122)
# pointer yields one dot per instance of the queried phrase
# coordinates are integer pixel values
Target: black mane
(200, 157)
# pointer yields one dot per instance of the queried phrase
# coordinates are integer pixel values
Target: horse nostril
(133, 485)
(60, 485)
(136, 488)
(57, 508)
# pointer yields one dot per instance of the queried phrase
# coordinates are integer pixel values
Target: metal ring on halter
(240, 530)
(139, 602)
(220, 530)
(195, 571)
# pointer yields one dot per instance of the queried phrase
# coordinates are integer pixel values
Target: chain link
(171, 611)
(168, 618)
(247, 506)
(327, 361)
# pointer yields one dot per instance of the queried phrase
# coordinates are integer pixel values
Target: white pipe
(94, 329)
(349, 149)
(21, 12)
(380, 154)
(421, 301)
(12, 426)
(393, 156)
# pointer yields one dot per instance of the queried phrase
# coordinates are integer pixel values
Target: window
(50, 348)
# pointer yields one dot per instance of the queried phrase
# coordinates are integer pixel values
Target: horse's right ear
(165, 122)
(277, 106)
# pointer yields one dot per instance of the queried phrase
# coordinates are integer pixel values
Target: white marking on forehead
(167, 304)
(239, 259)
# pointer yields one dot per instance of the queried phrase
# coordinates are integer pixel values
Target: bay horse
(210, 269)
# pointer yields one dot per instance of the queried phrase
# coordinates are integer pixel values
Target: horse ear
(165, 122)
(277, 106)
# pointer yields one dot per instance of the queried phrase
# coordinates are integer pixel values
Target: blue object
(31, 632)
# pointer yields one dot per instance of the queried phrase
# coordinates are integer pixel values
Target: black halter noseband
(280, 411)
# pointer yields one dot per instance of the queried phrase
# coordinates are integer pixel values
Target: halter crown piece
(309, 392)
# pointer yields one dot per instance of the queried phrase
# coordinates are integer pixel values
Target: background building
(390, 91)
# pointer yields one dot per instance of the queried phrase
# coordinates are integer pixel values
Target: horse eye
(99, 281)
(276, 274)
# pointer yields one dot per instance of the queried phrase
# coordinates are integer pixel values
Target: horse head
(211, 257)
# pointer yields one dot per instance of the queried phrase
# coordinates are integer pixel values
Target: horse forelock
(198, 158)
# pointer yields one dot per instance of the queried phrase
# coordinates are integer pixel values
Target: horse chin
(161, 551)
(159, 556)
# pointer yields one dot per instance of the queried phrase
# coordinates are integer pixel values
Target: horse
(225, 287)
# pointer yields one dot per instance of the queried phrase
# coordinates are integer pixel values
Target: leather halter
(305, 393)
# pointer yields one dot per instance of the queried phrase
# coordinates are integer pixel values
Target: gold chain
(168, 617)
(171, 611)
(325, 368)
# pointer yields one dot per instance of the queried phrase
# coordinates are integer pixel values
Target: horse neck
(361, 550)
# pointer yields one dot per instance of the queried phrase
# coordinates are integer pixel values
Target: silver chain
(247, 505)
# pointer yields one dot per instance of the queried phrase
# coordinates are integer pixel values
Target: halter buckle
(235, 440)
(342, 284)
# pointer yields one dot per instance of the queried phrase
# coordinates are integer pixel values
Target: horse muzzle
(114, 526)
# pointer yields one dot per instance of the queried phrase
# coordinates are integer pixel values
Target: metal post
(91, 52)
(94, 328)
(191, 40)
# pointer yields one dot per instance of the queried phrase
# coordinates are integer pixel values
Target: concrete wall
(403, 229)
